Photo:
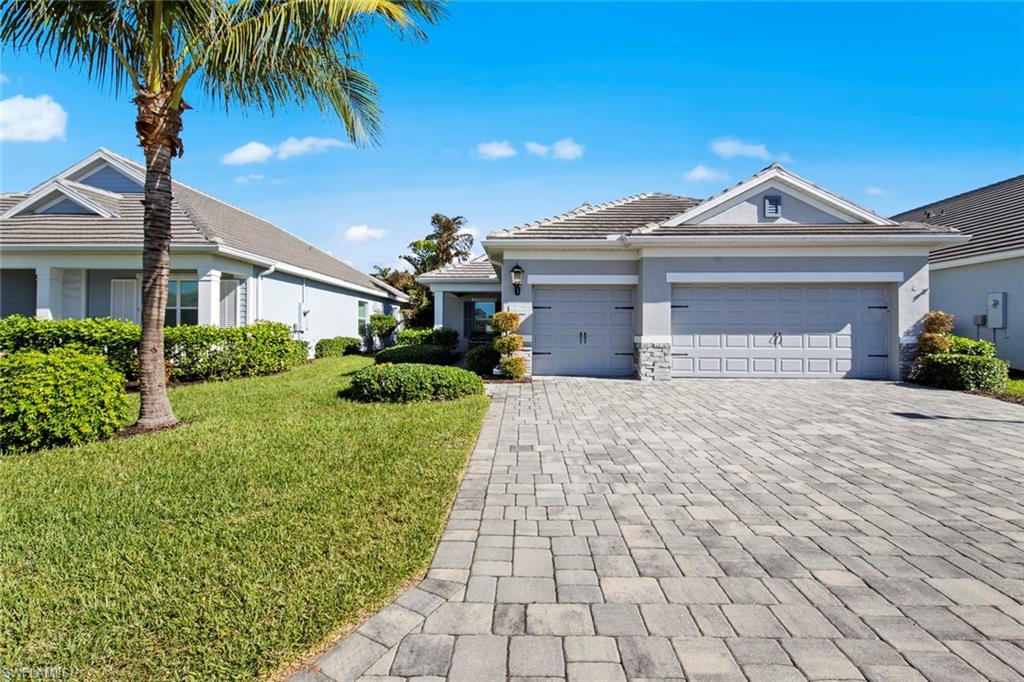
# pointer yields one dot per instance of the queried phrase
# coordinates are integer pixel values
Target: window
(773, 206)
(364, 318)
(182, 302)
(482, 313)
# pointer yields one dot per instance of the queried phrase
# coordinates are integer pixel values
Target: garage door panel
(588, 331)
(762, 330)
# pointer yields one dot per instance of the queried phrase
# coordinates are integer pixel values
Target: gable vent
(773, 206)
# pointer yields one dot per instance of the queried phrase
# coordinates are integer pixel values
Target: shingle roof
(478, 267)
(993, 215)
(597, 222)
(196, 218)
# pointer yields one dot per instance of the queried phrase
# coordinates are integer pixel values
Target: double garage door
(780, 331)
(583, 331)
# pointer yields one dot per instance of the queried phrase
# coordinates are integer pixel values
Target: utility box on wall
(996, 310)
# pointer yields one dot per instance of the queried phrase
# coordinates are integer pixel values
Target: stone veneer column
(652, 361)
(908, 353)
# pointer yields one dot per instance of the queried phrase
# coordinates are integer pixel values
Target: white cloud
(492, 151)
(875, 191)
(537, 149)
(251, 152)
(731, 147)
(567, 149)
(4, 80)
(31, 119)
(364, 233)
(251, 177)
(701, 173)
(472, 230)
(295, 146)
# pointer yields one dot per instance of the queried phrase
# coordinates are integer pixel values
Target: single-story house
(982, 282)
(773, 277)
(71, 247)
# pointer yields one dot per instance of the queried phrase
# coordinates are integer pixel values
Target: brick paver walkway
(720, 530)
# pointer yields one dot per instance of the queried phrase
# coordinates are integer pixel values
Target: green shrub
(930, 343)
(200, 352)
(63, 397)
(116, 340)
(961, 345)
(427, 355)
(513, 366)
(382, 325)
(482, 360)
(505, 322)
(409, 382)
(337, 346)
(296, 353)
(439, 336)
(508, 344)
(961, 372)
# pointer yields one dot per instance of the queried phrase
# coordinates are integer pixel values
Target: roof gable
(739, 200)
(74, 199)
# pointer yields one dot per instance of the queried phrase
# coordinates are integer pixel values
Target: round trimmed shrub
(938, 322)
(412, 382)
(505, 322)
(930, 343)
(482, 360)
(508, 344)
(513, 366)
(337, 346)
(63, 397)
(414, 337)
(445, 337)
(382, 325)
(961, 372)
(427, 355)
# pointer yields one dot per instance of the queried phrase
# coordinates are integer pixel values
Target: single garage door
(583, 331)
(780, 331)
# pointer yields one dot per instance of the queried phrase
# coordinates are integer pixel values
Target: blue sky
(891, 105)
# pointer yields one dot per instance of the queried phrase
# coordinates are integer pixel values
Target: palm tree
(258, 54)
(452, 242)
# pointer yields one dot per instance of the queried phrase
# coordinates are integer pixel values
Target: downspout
(259, 290)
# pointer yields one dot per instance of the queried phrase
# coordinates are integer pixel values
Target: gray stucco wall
(17, 292)
(751, 210)
(963, 291)
(97, 291)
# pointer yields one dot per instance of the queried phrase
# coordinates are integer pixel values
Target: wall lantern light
(517, 277)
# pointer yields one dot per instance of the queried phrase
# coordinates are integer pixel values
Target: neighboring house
(773, 277)
(71, 247)
(984, 277)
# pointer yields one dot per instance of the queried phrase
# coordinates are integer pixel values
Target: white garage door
(583, 331)
(780, 331)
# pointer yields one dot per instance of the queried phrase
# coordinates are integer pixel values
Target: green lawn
(275, 517)
(1015, 388)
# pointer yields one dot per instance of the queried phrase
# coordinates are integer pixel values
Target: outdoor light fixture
(517, 276)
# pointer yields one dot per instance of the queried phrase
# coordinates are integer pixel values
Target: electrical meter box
(996, 310)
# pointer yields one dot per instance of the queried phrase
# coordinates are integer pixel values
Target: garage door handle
(581, 337)
(584, 337)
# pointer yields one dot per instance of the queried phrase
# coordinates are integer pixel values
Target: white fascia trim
(99, 154)
(780, 277)
(976, 260)
(583, 279)
(522, 243)
(936, 240)
(580, 254)
(307, 274)
(465, 288)
(787, 178)
(55, 186)
(457, 280)
(90, 248)
(782, 251)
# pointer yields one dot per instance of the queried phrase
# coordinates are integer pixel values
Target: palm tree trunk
(157, 127)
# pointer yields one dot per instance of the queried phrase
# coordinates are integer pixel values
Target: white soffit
(780, 277)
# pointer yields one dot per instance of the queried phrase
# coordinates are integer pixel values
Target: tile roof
(799, 229)
(478, 267)
(196, 219)
(992, 215)
(622, 216)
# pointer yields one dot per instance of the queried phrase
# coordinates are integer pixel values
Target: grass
(274, 518)
(1015, 389)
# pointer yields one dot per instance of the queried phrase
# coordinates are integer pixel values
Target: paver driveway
(721, 530)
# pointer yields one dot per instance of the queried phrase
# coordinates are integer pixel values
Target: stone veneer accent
(652, 361)
(908, 353)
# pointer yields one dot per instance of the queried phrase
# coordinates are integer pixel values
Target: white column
(209, 296)
(438, 308)
(49, 285)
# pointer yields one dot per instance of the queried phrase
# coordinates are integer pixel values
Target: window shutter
(229, 303)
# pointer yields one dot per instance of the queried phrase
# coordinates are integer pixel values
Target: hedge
(482, 360)
(961, 372)
(961, 345)
(412, 382)
(439, 336)
(428, 355)
(194, 352)
(116, 340)
(63, 397)
(338, 346)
